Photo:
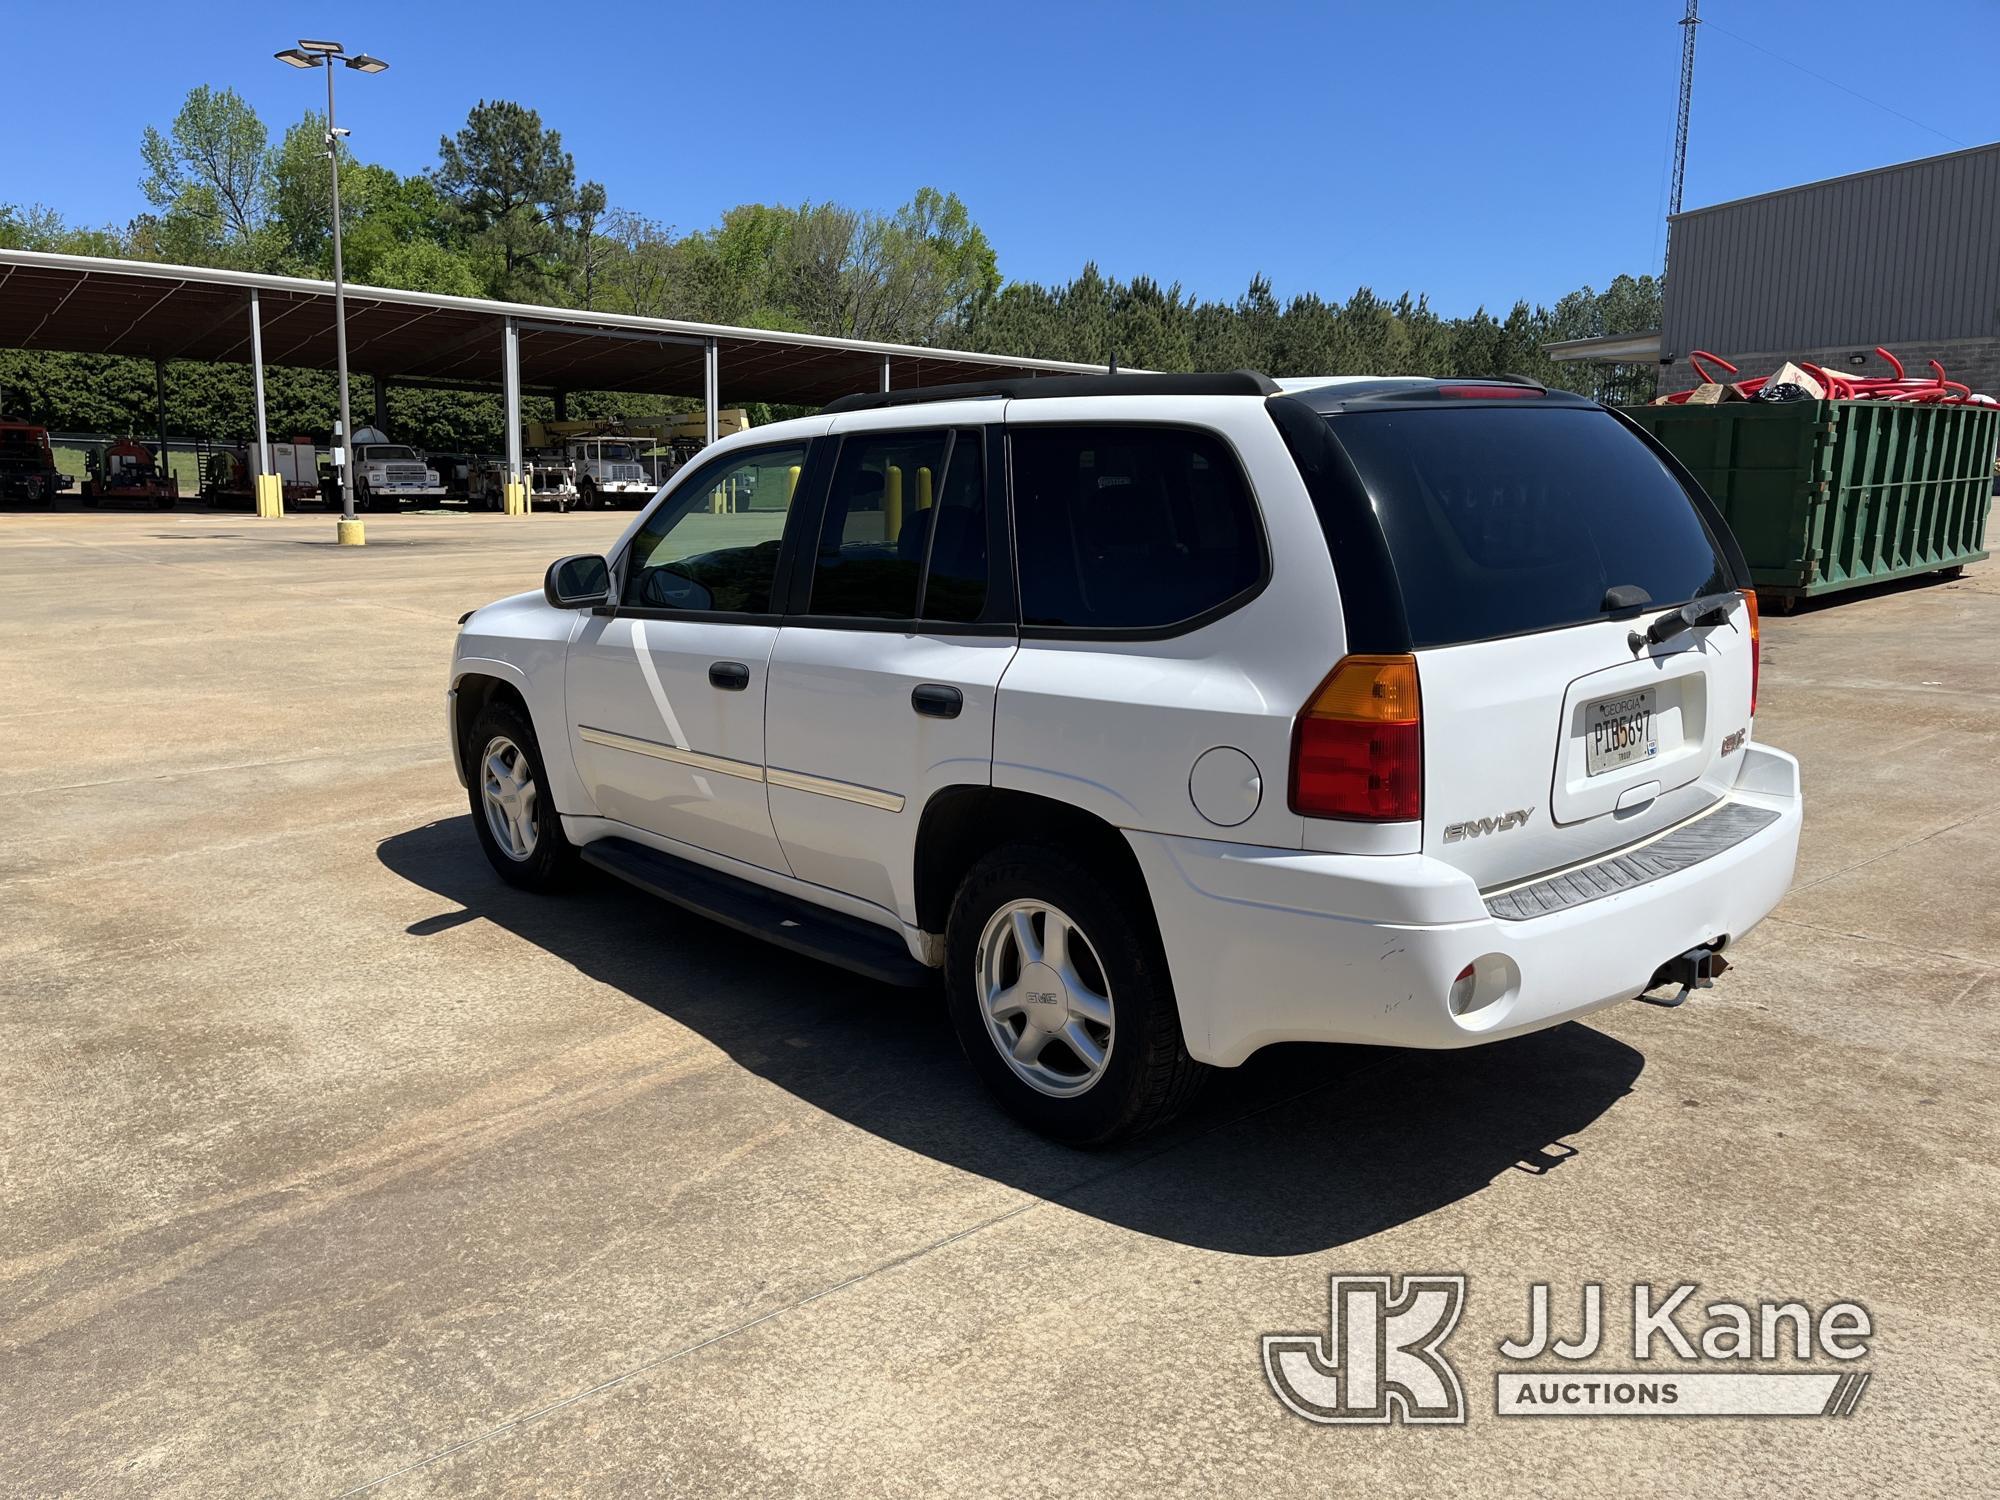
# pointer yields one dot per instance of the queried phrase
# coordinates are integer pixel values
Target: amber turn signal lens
(1756, 648)
(1379, 689)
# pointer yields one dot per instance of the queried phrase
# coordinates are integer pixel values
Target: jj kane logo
(1382, 1357)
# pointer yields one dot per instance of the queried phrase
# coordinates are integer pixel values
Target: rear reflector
(1756, 648)
(1357, 747)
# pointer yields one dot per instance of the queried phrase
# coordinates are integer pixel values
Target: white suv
(1167, 716)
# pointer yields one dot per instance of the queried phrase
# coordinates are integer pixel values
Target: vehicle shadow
(1301, 1149)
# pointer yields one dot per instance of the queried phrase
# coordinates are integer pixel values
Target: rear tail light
(1357, 746)
(1756, 648)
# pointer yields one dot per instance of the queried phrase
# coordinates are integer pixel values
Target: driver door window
(712, 544)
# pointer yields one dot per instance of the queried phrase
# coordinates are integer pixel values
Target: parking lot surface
(330, 1163)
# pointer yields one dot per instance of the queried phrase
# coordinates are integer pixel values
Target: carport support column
(711, 388)
(515, 499)
(269, 491)
(885, 372)
(160, 410)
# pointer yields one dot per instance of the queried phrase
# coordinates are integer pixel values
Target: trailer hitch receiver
(1696, 969)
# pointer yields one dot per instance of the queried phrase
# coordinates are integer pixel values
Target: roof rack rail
(1049, 387)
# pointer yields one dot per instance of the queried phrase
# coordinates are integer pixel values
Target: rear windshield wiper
(1709, 609)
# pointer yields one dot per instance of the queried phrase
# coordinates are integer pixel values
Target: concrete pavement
(328, 1162)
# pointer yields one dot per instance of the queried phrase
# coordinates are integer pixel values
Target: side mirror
(578, 582)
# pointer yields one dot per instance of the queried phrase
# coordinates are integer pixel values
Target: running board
(848, 942)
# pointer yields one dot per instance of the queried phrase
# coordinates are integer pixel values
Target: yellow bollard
(791, 483)
(892, 503)
(924, 488)
(514, 499)
(270, 494)
(349, 533)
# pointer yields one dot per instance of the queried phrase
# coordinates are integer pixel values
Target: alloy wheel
(507, 792)
(1046, 1001)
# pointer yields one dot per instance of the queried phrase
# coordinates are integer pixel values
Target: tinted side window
(1129, 527)
(877, 525)
(712, 543)
(955, 579)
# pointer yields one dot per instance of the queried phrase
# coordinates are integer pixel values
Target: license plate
(1618, 731)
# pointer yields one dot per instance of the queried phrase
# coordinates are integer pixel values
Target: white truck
(386, 474)
(608, 472)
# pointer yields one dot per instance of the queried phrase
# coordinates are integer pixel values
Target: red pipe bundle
(1937, 391)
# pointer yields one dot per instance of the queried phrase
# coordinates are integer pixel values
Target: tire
(550, 861)
(1114, 984)
(588, 498)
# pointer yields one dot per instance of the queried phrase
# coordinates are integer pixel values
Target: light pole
(310, 54)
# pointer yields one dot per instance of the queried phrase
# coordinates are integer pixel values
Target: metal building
(1906, 256)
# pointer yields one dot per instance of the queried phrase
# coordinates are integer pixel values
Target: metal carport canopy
(83, 304)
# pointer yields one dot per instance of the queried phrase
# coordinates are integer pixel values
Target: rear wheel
(512, 811)
(1059, 992)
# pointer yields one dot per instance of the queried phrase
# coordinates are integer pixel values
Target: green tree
(641, 271)
(39, 227)
(516, 190)
(207, 176)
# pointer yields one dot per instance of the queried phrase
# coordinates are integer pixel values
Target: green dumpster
(1831, 495)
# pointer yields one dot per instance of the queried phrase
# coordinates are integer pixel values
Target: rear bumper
(1278, 945)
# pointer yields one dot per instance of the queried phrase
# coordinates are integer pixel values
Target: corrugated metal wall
(1907, 252)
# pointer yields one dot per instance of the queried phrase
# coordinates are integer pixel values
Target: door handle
(937, 701)
(730, 676)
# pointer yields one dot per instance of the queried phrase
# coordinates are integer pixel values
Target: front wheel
(1059, 991)
(512, 811)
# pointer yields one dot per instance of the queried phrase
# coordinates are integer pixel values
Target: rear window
(1502, 521)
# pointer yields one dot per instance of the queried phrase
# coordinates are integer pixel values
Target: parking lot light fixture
(317, 54)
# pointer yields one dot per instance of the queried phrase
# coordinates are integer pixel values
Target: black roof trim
(1423, 391)
(1049, 387)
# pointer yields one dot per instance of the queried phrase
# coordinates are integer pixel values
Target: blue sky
(1477, 152)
